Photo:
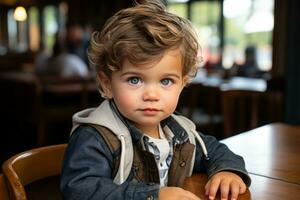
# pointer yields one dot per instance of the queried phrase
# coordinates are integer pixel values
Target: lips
(149, 111)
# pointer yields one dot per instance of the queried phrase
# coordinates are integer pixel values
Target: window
(17, 33)
(3, 48)
(248, 24)
(34, 29)
(12, 30)
(179, 9)
(205, 16)
(51, 26)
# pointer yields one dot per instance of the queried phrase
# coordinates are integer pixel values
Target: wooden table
(272, 156)
(272, 150)
(233, 83)
(262, 188)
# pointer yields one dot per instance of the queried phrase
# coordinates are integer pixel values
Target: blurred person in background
(78, 41)
(250, 67)
(41, 58)
(63, 63)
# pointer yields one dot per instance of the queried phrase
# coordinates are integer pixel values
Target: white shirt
(160, 148)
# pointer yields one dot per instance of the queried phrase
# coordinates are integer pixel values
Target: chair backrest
(3, 189)
(61, 97)
(240, 110)
(201, 104)
(30, 166)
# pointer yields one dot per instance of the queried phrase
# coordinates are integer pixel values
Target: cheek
(171, 101)
(124, 100)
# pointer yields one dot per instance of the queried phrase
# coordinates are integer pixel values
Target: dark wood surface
(272, 150)
(262, 188)
(271, 153)
(3, 188)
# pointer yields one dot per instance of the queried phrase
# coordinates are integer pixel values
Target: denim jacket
(88, 165)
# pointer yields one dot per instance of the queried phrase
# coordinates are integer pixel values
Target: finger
(213, 188)
(224, 188)
(243, 188)
(207, 186)
(234, 190)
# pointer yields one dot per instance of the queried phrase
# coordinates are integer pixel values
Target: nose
(151, 93)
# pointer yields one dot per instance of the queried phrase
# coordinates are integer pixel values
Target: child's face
(147, 94)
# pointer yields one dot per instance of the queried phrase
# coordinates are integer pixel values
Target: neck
(150, 131)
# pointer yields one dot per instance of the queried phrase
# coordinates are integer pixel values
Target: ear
(105, 84)
(185, 81)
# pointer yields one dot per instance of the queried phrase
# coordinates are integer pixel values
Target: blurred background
(249, 75)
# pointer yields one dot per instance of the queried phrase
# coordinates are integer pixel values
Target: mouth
(149, 111)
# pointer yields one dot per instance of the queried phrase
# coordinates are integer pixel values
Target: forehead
(170, 60)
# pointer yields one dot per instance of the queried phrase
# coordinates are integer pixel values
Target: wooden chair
(34, 174)
(3, 189)
(240, 110)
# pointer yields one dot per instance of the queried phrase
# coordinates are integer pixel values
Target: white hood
(102, 115)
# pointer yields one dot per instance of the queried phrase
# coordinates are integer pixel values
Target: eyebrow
(141, 74)
(130, 73)
(172, 75)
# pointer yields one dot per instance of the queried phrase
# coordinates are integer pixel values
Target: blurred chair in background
(245, 109)
(240, 110)
(37, 111)
(34, 174)
(61, 97)
(19, 113)
(201, 104)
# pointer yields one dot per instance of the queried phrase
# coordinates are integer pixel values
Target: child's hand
(176, 193)
(228, 183)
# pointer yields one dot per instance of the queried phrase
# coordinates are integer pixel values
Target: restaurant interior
(249, 76)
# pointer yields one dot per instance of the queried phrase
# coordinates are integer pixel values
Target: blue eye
(166, 82)
(134, 80)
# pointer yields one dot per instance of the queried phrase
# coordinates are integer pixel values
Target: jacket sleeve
(221, 158)
(86, 172)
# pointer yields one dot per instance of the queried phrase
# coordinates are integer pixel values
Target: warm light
(20, 14)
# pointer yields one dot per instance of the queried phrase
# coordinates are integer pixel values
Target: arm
(226, 170)
(86, 172)
(221, 158)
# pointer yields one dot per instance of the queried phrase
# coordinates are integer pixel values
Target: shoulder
(97, 136)
(84, 132)
(87, 137)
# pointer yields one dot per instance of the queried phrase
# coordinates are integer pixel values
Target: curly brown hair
(142, 34)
